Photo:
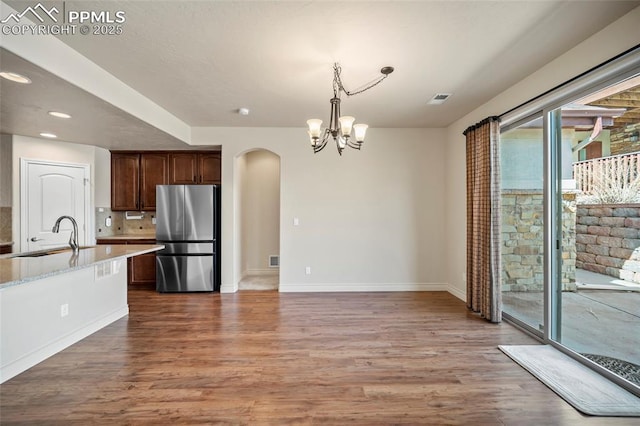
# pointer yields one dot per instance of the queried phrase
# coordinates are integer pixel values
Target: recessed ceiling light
(439, 98)
(48, 135)
(59, 114)
(13, 76)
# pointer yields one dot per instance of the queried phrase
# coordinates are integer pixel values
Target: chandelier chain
(337, 82)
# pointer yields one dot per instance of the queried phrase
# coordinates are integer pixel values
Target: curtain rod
(481, 123)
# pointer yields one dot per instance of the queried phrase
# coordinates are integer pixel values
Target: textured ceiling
(24, 111)
(202, 60)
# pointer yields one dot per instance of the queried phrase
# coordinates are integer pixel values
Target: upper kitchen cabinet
(183, 168)
(134, 177)
(154, 170)
(125, 181)
(189, 168)
(209, 168)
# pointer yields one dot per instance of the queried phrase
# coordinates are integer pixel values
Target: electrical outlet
(64, 310)
(296, 221)
(153, 220)
(307, 270)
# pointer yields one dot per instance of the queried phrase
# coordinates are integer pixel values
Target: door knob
(34, 239)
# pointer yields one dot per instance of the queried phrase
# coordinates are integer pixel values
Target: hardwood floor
(272, 358)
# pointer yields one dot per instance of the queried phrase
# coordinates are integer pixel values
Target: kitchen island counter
(15, 270)
(53, 300)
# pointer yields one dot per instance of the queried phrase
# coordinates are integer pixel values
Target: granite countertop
(18, 270)
(10, 243)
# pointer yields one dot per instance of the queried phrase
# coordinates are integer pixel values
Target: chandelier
(341, 126)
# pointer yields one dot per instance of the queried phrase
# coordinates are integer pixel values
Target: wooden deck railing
(621, 169)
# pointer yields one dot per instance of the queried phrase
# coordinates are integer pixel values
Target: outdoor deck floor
(599, 322)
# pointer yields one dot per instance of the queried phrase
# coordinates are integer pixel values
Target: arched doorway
(258, 173)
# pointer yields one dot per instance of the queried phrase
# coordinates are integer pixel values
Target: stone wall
(622, 141)
(523, 238)
(608, 240)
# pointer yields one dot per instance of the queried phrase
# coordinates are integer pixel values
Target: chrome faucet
(73, 239)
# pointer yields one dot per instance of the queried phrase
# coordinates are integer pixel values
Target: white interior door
(50, 190)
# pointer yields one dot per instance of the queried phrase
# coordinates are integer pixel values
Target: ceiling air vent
(439, 98)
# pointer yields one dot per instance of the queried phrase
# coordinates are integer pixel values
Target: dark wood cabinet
(134, 178)
(209, 168)
(194, 168)
(125, 181)
(141, 270)
(154, 170)
(134, 175)
(183, 168)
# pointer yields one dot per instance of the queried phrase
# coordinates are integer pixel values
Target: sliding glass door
(522, 177)
(595, 286)
(570, 175)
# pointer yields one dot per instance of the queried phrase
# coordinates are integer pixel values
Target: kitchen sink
(40, 253)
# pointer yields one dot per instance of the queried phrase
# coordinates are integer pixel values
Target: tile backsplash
(120, 225)
(5, 224)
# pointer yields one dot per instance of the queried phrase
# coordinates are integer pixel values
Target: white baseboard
(18, 366)
(361, 287)
(228, 288)
(460, 294)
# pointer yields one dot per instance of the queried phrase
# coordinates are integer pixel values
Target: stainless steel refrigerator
(187, 223)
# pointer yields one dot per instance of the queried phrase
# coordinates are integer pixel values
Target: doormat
(622, 368)
(583, 388)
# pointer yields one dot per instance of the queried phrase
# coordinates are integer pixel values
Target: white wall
(260, 211)
(102, 178)
(618, 37)
(41, 149)
(239, 202)
(369, 220)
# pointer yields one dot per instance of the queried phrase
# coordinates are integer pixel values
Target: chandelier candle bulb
(360, 130)
(346, 123)
(314, 127)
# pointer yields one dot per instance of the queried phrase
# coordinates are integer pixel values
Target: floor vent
(274, 261)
